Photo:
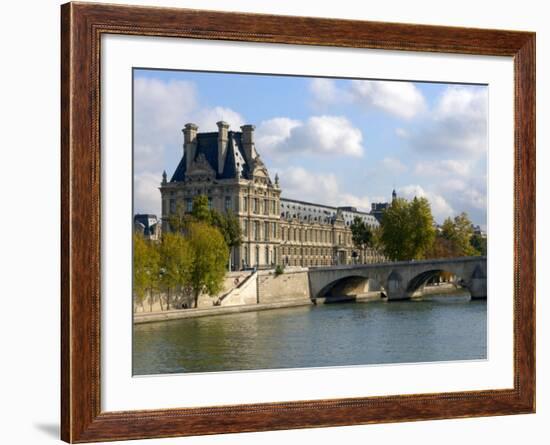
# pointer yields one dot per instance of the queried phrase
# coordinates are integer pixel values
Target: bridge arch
(422, 278)
(348, 288)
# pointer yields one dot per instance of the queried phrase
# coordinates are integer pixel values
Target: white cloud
(325, 92)
(394, 165)
(274, 132)
(402, 133)
(446, 168)
(148, 157)
(401, 99)
(441, 209)
(319, 188)
(319, 135)
(162, 108)
(458, 124)
(207, 117)
(469, 194)
(146, 192)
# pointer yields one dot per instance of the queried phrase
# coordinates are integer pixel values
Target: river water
(439, 329)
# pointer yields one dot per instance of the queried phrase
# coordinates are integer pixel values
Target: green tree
(178, 220)
(407, 229)
(210, 255)
(228, 224)
(139, 268)
(201, 211)
(423, 227)
(459, 232)
(176, 260)
(479, 243)
(146, 268)
(361, 234)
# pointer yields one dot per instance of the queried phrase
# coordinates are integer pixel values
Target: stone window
(266, 231)
(188, 205)
(245, 204)
(274, 207)
(255, 208)
(210, 202)
(274, 230)
(266, 255)
(266, 207)
(227, 205)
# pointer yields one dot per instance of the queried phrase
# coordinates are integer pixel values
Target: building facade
(226, 167)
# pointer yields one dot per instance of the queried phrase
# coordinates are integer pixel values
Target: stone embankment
(251, 291)
(150, 317)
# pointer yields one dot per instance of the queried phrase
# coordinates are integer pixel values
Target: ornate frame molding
(82, 26)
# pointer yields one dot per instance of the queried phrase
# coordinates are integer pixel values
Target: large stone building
(226, 167)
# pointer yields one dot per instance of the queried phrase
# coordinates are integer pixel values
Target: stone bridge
(398, 280)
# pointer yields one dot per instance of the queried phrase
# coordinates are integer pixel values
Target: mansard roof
(207, 146)
(304, 210)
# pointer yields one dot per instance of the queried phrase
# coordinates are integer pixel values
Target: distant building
(478, 231)
(226, 167)
(378, 209)
(148, 225)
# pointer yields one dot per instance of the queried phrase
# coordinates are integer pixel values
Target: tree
(361, 234)
(228, 224)
(178, 220)
(423, 226)
(146, 268)
(140, 268)
(407, 229)
(176, 259)
(443, 248)
(459, 232)
(201, 211)
(210, 256)
(479, 243)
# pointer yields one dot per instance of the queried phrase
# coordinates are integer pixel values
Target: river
(438, 329)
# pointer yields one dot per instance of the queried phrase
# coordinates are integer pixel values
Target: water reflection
(310, 336)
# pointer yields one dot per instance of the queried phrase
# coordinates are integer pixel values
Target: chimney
(189, 143)
(248, 142)
(223, 128)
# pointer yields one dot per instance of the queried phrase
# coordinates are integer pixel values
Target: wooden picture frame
(82, 26)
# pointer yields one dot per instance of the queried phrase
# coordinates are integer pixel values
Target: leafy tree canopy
(361, 234)
(210, 256)
(228, 224)
(146, 266)
(458, 232)
(407, 229)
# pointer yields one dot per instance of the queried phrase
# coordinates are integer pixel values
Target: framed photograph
(275, 222)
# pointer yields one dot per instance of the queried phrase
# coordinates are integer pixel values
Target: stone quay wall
(291, 285)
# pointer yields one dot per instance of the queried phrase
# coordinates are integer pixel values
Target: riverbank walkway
(176, 314)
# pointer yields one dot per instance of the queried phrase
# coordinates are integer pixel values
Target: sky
(340, 142)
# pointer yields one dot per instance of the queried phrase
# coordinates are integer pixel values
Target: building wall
(292, 285)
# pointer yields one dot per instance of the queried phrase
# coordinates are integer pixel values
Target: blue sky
(332, 141)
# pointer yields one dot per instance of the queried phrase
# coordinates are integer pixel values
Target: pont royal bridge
(399, 280)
